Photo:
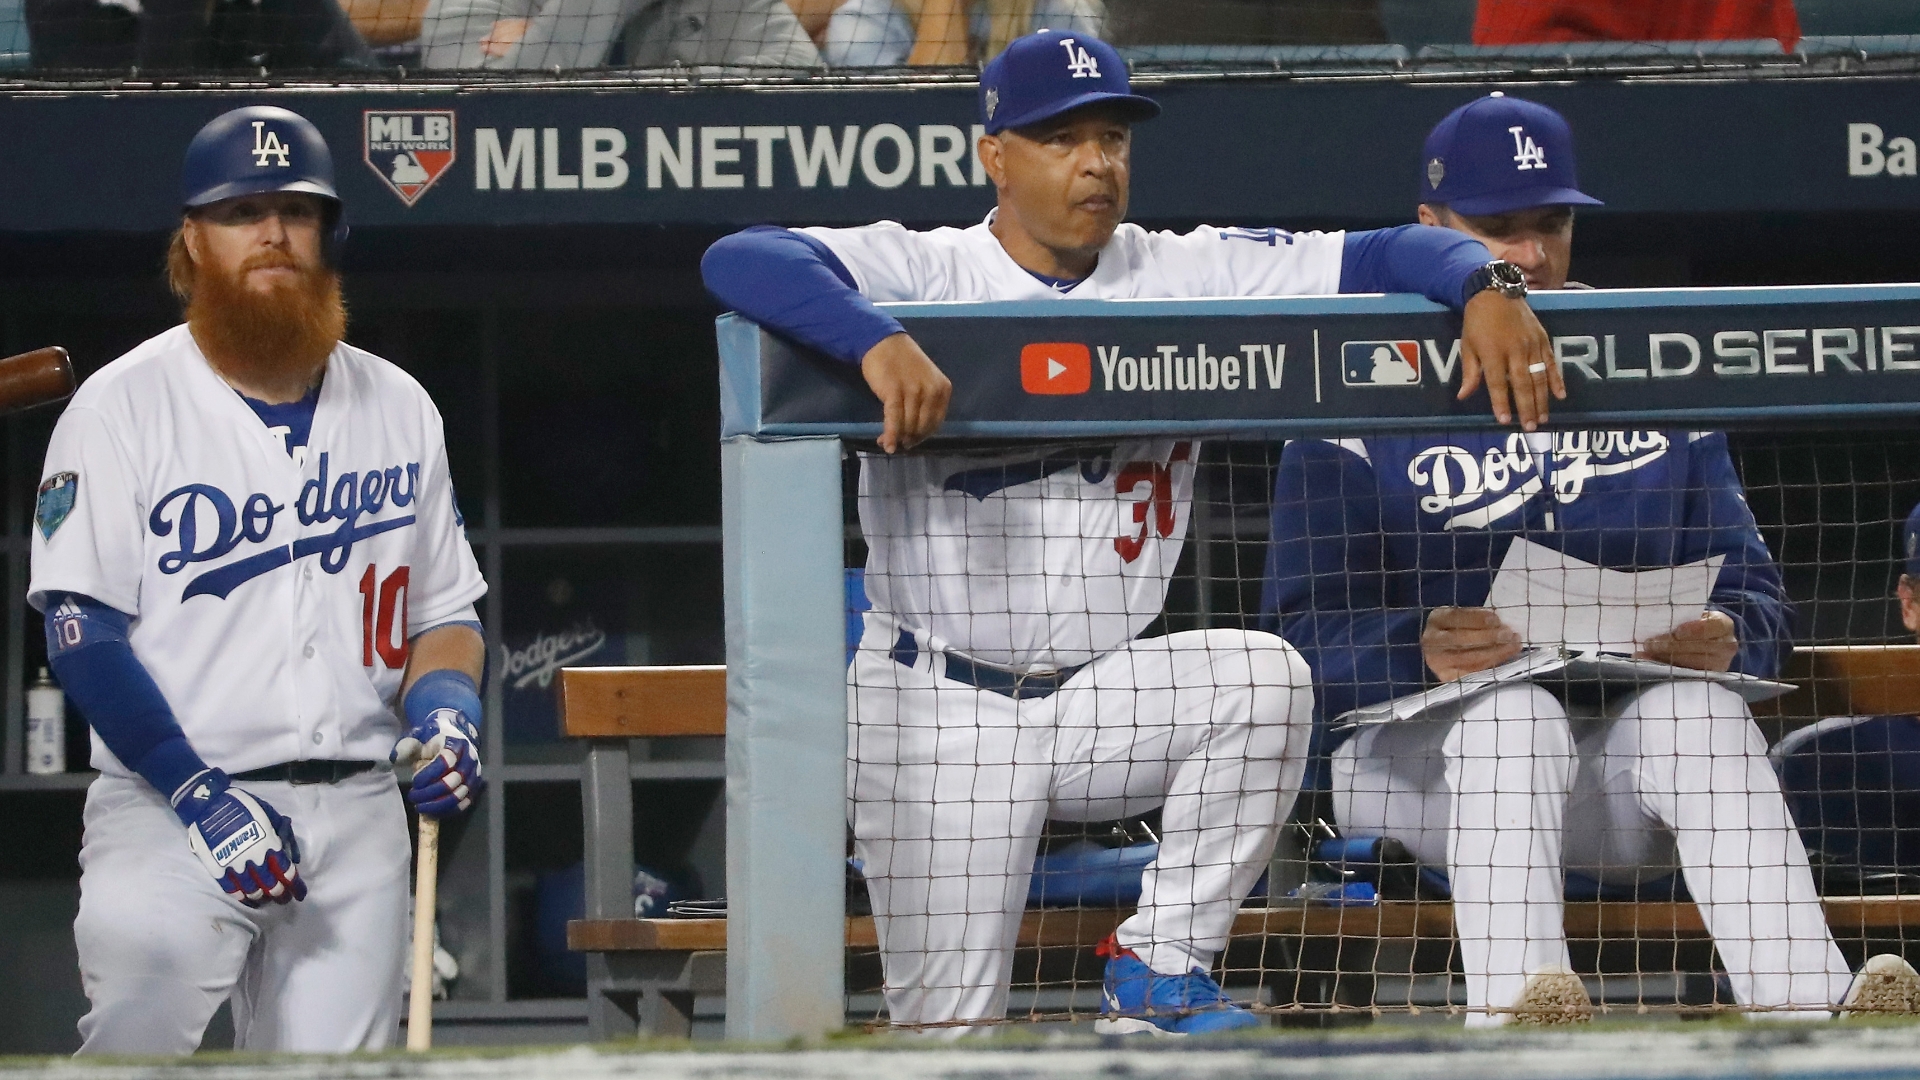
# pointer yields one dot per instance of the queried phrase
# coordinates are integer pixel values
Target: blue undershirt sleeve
(1424, 259)
(88, 650)
(794, 285)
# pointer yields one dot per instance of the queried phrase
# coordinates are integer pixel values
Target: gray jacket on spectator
(569, 34)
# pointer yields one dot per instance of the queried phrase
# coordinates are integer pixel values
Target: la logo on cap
(1056, 367)
(1526, 154)
(1079, 61)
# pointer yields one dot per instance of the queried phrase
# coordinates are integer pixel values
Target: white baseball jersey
(272, 597)
(1032, 560)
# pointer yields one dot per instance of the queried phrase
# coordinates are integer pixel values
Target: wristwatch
(1498, 274)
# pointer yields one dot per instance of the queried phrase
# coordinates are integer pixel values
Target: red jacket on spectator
(1520, 22)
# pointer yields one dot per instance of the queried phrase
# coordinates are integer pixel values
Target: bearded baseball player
(248, 553)
(1001, 681)
(1382, 554)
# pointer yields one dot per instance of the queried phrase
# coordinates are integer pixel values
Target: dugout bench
(643, 974)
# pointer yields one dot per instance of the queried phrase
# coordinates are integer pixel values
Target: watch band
(1498, 274)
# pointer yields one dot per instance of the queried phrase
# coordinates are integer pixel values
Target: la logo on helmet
(1526, 154)
(1079, 61)
(267, 144)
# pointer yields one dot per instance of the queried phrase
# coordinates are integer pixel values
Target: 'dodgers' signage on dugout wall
(1250, 153)
(1325, 365)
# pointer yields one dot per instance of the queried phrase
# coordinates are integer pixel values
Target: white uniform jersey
(1031, 560)
(272, 598)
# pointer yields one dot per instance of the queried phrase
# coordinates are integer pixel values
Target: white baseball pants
(1514, 791)
(951, 787)
(161, 946)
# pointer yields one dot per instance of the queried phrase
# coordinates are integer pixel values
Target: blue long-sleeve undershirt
(88, 650)
(1424, 259)
(796, 286)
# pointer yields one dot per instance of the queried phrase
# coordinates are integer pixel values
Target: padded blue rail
(1280, 368)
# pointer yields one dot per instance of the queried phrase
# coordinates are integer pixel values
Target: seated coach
(1854, 781)
(1383, 550)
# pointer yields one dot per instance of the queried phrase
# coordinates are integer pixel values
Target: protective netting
(798, 38)
(1094, 673)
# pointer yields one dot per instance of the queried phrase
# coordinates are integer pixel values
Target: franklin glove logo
(236, 845)
(1056, 368)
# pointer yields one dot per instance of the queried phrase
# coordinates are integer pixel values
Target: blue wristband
(442, 688)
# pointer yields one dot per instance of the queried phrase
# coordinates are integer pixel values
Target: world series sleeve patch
(55, 502)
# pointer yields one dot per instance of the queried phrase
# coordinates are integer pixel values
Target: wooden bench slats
(642, 702)
(664, 702)
(1849, 916)
(1847, 680)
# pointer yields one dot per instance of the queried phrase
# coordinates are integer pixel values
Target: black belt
(1013, 684)
(314, 771)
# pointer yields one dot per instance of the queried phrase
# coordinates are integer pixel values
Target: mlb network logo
(1380, 363)
(1056, 367)
(409, 149)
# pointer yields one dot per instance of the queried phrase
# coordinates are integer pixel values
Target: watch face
(1507, 274)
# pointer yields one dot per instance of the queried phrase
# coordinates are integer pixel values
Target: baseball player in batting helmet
(1001, 680)
(1548, 793)
(248, 553)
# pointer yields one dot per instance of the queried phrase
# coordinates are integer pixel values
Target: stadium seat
(1413, 23)
(1826, 19)
(1276, 56)
(1576, 52)
(14, 49)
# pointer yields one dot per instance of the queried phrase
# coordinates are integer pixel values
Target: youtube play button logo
(1056, 367)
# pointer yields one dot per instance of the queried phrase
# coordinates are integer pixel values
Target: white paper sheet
(1551, 599)
(1550, 666)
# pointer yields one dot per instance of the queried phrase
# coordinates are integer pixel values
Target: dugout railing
(1267, 369)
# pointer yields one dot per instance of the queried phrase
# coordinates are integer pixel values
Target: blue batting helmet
(261, 148)
(254, 149)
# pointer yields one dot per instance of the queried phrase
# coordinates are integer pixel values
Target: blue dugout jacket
(1370, 534)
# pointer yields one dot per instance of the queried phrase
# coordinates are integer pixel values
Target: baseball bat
(34, 378)
(426, 880)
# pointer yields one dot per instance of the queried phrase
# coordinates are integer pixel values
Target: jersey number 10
(377, 609)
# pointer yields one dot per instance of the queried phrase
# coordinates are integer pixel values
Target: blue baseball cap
(1498, 154)
(1047, 73)
(1910, 544)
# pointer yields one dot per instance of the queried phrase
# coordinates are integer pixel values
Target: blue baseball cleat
(1135, 999)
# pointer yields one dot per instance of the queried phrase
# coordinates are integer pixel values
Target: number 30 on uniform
(379, 601)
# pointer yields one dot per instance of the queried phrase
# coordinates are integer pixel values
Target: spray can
(46, 727)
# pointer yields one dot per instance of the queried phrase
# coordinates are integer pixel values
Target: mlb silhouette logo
(409, 149)
(1380, 363)
(1056, 367)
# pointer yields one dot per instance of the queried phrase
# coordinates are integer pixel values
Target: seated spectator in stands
(178, 35)
(1853, 782)
(385, 24)
(1383, 551)
(1522, 22)
(540, 35)
(891, 33)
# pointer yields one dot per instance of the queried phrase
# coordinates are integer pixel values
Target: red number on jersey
(1159, 500)
(377, 608)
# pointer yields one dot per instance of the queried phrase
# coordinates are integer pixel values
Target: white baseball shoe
(1885, 985)
(1553, 995)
